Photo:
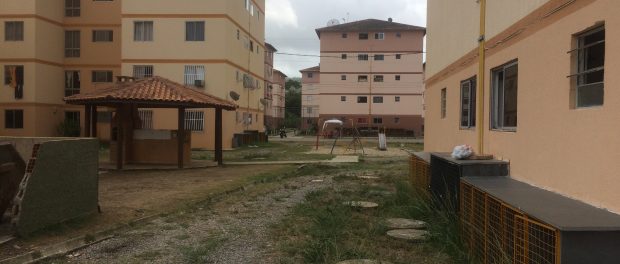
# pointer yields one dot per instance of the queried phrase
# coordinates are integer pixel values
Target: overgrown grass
(283, 151)
(200, 252)
(323, 230)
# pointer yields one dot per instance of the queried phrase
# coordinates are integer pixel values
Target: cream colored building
(64, 47)
(371, 76)
(274, 91)
(550, 103)
(310, 83)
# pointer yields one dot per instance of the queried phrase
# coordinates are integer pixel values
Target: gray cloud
(290, 24)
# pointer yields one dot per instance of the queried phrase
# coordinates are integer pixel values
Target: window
(396, 120)
(362, 99)
(504, 91)
(72, 83)
(14, 77)
(310, 75)
(251, 45)
(363, 36)
(102, 76)
(247, 5)
(195, 31)
(143, 31)
(146, 118)
(398, 56)
(195, 120)
(379, 57)
(377, 99)
(344, 56)
(72, 8)
(309, 110)
(343, 98)
(397, 99)
(14, 119)
(343, 77)
(308, 98)
(14, 31)
(443, 103)
(377, 120)
(142, 71)
(378, 78)
(362, 78)
(362, 121)
(73, 117)
(195, 75)
(362, 57)
(398, 35)
(397, 77)
(72, 44)
(103, 35)
(238, 34)
(468, 103)
(380, 36)
(590, 68)
(345, 35)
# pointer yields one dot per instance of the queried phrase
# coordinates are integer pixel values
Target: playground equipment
(338, 124)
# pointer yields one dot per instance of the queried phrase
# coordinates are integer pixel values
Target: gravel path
(233, 230)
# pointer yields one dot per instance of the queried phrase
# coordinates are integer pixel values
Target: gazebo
(127, 95)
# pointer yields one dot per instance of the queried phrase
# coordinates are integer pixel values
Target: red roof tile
(156, 91)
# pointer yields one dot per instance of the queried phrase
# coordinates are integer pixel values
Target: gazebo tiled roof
(155, 92)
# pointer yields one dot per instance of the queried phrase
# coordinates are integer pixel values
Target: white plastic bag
(462, 152)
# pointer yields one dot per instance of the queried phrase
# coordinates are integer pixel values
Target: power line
(340, 57)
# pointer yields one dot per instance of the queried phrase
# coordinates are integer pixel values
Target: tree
(293, 103)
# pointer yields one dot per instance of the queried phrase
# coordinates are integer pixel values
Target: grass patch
(200, 252)
(281, 151)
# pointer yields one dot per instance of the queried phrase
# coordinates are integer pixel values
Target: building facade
(372, 76)
(310, 92)
(540, 95)
(274, 91)
(54, 48)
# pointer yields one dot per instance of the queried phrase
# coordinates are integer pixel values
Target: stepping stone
(317, 181)
(363, 261)
(413, 235)
(361, 204)
(368, 177)
(402, 223)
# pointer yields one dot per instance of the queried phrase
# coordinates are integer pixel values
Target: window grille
(195, 75)
(142, 71)
(146, 118)
(195, 120)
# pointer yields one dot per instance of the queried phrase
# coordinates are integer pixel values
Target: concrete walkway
(337, 159)
(344, 139)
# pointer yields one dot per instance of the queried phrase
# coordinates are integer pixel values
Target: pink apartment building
(370, 76)
(274, 91)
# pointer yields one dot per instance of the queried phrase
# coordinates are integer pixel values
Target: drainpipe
(480, 85)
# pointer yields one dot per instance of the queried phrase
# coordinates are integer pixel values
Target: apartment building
(371, 76)
(310, 83)
(274, 91)
(54, 48)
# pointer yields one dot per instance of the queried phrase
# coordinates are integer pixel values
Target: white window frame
(194, 73)
(498, 98)
(195, 120)
(143, 31)
(468, 103)
(583, 70)
(146, 118)
(379, 36)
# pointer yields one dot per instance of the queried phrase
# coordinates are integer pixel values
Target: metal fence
(419, 173)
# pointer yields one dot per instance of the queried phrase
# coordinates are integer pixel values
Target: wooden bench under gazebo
(127, 95)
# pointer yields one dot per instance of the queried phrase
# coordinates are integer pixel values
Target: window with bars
(377, 120)
(103, 35)
(14, 30)
(362, 78)
(504, 91)
(362, 99)
(468, 103)
(72, 8)
(72, 44)
(195, 31)
(377, 99)
(362, 57)
(363, 36)
(590, 68)
(379, 57)
(72, 83)
(143, 31)
(378, 78)
(146, 118)
(14, 118)
(102, 76)
(195, 120)
(142, 71)
(195, 75)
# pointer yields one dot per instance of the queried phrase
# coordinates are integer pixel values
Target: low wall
(12, 168)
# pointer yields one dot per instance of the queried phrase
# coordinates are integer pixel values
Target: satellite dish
(263, 101)
(333, 22)
(234, 95)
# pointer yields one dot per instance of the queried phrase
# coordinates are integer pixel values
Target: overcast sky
(290, 24)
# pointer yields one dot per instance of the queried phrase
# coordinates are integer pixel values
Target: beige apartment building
(546, 98)
(310, 81)
(274, 91)
(55, 48)
(371, 76)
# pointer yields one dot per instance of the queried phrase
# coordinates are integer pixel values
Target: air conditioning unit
(248, 82)
(199, 83)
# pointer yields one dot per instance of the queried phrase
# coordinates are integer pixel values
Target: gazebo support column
(94, 121)
(119, 141)
(87, 115)
(218, 137)
(181, 136)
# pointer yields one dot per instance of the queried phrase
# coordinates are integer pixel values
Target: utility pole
(480, 84)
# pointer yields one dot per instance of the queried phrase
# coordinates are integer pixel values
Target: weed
(200, 253)
(89, 238)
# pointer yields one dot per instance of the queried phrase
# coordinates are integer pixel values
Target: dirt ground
(126, 196)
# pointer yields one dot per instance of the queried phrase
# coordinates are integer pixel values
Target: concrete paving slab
(413, 235)
(402, 223)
